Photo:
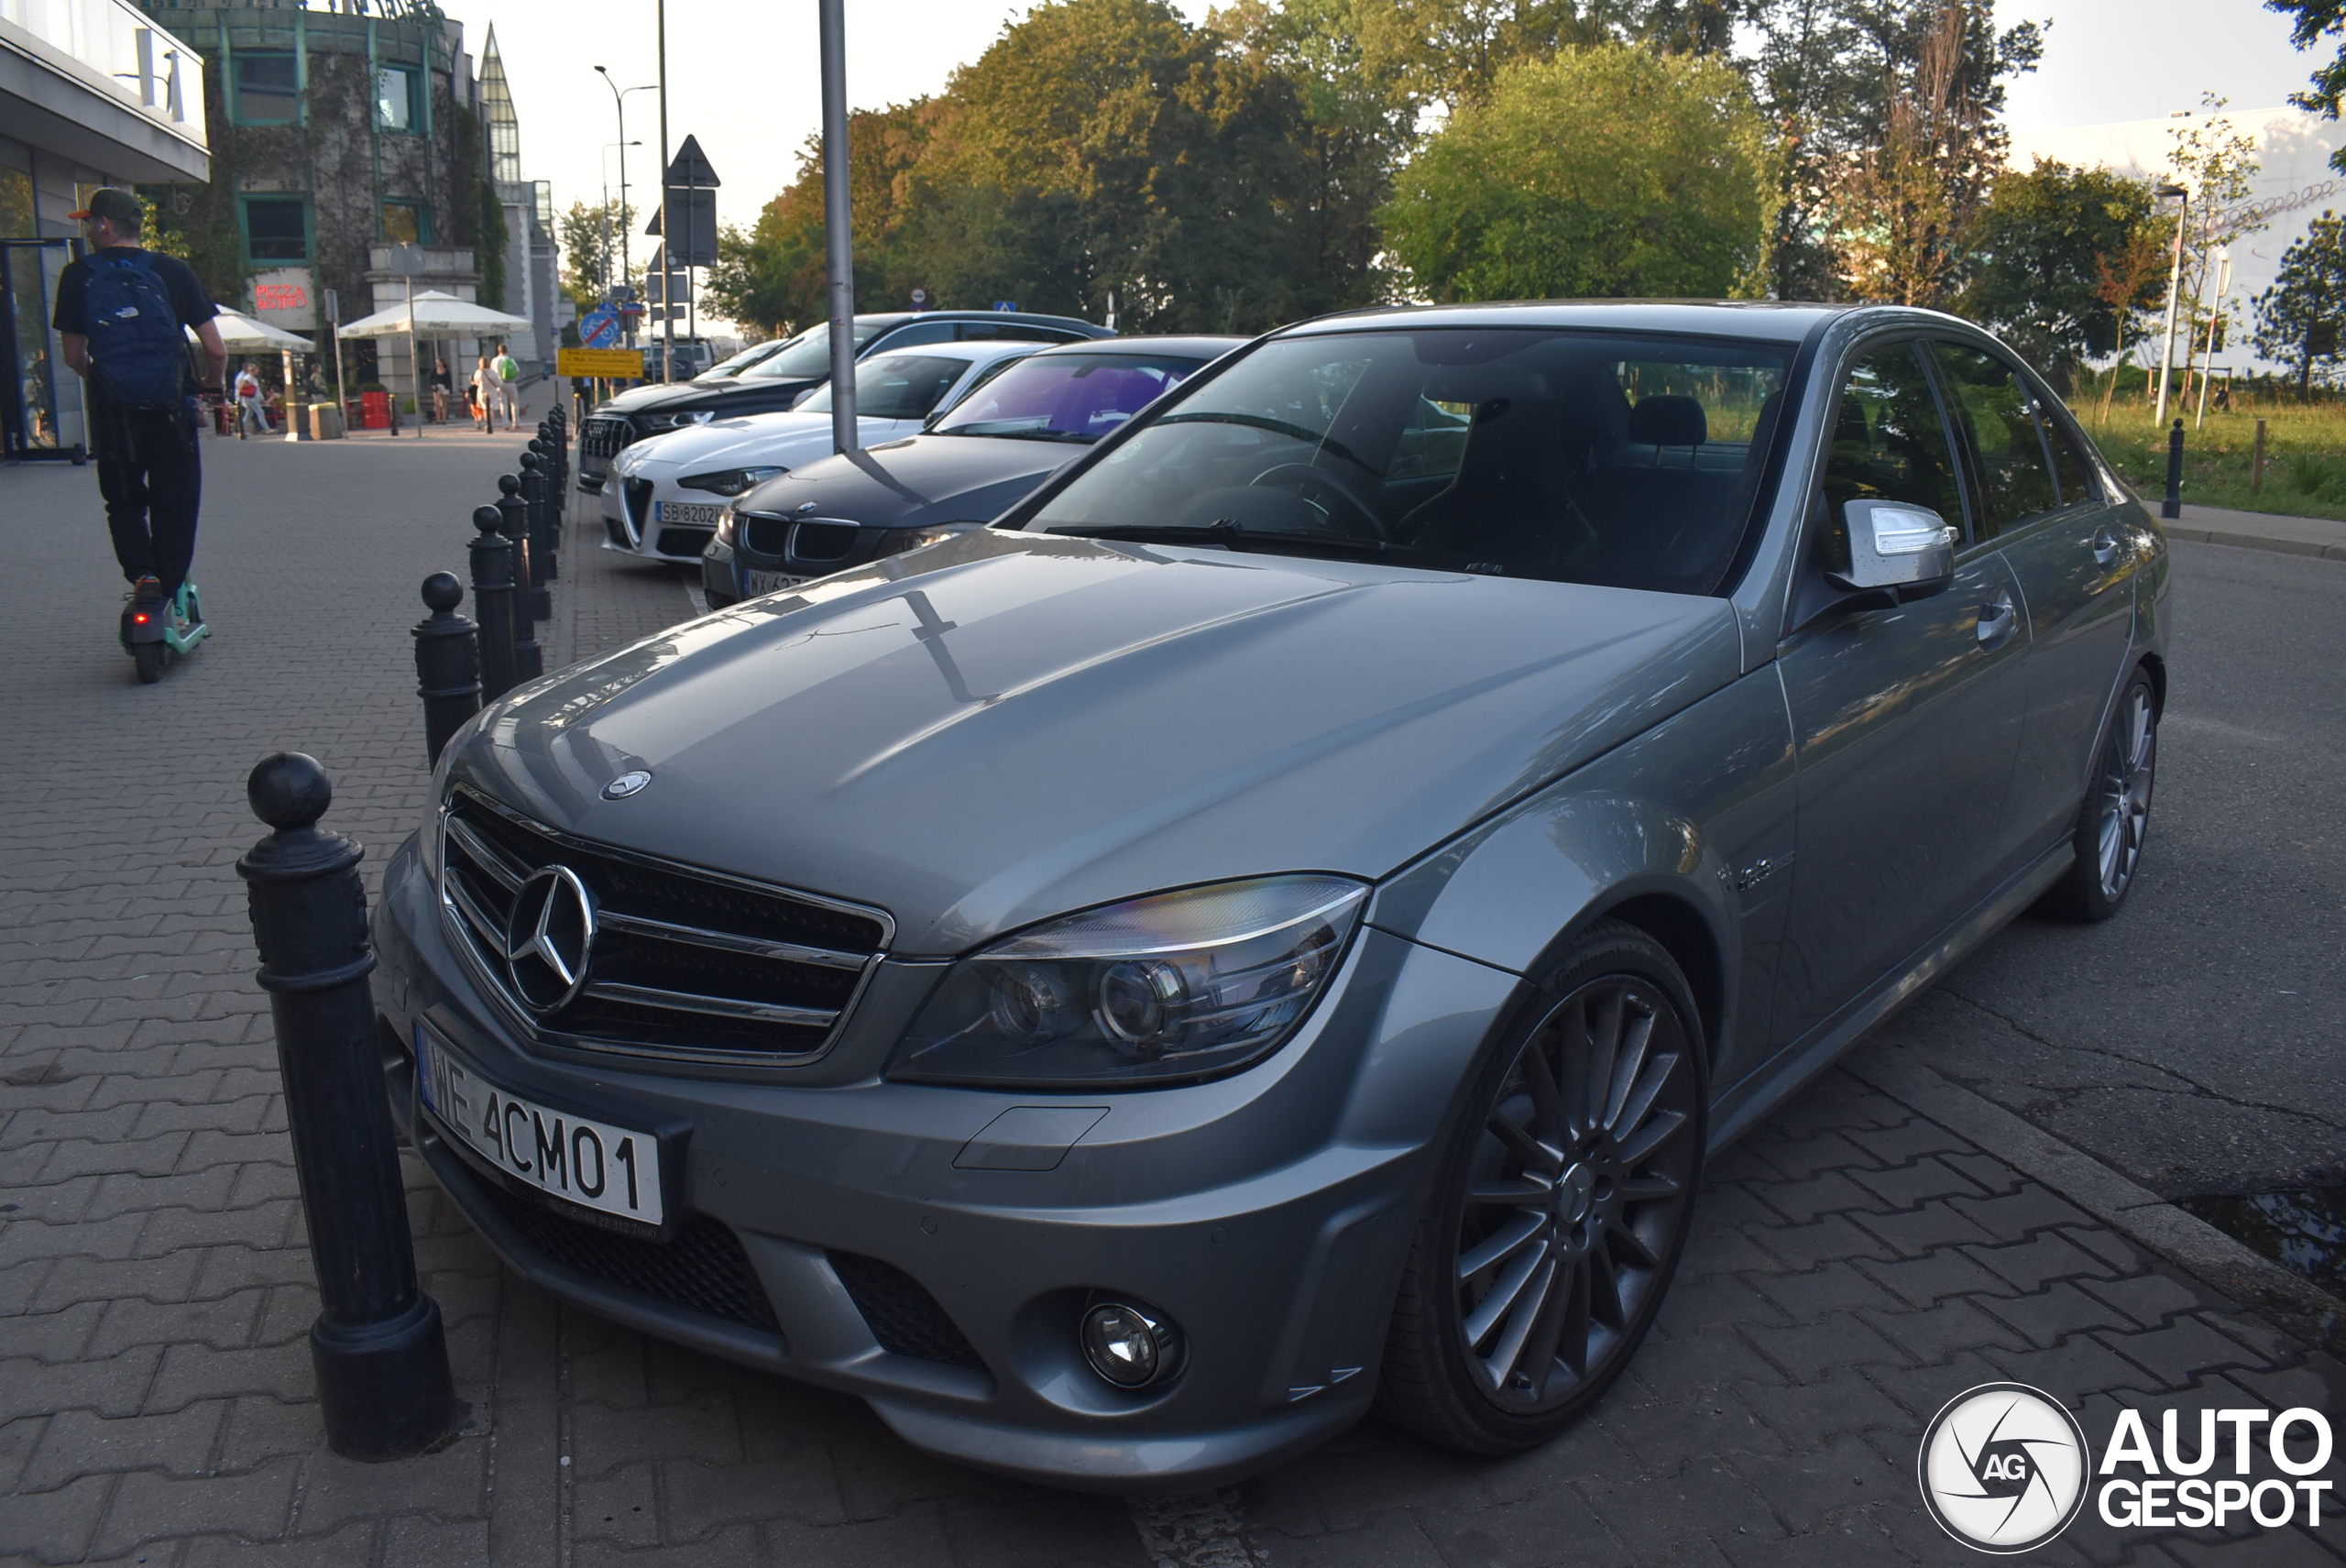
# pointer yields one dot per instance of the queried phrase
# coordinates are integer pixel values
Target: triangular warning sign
(691, 166)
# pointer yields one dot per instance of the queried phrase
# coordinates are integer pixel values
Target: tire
(1534, 1275)
(2114, 820)
(149, 657)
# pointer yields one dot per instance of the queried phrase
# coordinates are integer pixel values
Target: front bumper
(718, 584)
(1266, 1213)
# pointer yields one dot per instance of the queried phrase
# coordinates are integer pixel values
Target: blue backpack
(135, 345)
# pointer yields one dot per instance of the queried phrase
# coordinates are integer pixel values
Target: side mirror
(1896, 547)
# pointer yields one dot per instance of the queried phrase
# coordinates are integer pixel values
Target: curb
(2296, 1304)
(2255, 541)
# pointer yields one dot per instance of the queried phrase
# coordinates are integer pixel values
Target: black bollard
(493, 601)
(531, 603)
(537, 488)
(447, 664)
(2173, 505)
(377, 1348)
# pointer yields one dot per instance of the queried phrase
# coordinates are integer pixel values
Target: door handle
(2105, 546)
(1997, 621)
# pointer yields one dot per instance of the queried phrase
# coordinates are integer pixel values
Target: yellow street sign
(628, 362)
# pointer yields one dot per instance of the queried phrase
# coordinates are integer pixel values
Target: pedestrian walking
(485, 395)
(120, 314)
(251, 413)
(441, 384)
(509, 388)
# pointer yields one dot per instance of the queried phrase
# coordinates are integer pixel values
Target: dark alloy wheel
(1561, 1208)
(2115, 819)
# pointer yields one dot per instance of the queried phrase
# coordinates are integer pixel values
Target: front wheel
(1560, 1207)
(2115, 819)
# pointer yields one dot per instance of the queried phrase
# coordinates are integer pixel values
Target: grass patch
(2305, 454)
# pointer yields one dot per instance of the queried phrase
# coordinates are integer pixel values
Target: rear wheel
(149, 658)
(1560, 1207)
(2115, 819)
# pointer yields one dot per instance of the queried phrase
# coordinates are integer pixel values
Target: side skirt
(1740, 1109)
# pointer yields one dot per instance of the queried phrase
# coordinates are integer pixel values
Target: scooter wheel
(150, 656)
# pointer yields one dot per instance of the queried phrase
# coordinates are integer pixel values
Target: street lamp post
(667, 235)
(2174, 294)
(622, 146)
(619, 101)
(837, 235)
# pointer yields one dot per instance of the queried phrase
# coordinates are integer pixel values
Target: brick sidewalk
(1856, 1263)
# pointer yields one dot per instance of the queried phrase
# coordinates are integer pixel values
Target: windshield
(1066, 397)
(807, 355)
(894, 386)
(726, 370)
(1625, 459)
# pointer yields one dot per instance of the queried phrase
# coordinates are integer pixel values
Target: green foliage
(590, 238)
(1603, 172)
(2317, 20)
(2297, 318)
(2308, 475)
(2062, 259)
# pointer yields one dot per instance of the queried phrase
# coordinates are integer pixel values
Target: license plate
(770, 582)
(595, 1164)
(690, 514)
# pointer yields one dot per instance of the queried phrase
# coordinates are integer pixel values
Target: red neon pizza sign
(280, 297)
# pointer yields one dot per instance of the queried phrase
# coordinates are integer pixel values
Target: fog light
(1130, 1346)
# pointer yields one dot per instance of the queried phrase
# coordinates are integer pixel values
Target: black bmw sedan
(975, 460)
(801, 364)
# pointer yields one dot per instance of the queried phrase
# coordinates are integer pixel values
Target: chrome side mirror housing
(1906, 550)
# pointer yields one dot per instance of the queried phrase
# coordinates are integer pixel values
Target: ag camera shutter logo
(2004, 1468)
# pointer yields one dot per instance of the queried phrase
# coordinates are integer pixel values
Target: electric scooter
(154, 635)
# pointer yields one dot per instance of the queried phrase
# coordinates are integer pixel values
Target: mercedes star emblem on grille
(626, 784)
(549, 938)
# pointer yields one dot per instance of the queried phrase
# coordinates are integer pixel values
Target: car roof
(1773, 320)
(897, 318)
(982, 349)
(1171, 343)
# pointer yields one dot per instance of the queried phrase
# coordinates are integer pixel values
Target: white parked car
(673, 489)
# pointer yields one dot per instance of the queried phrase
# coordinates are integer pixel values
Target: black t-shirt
(189, 301)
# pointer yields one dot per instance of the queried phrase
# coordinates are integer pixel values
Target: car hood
(1005, 725)
(704, 394)
(917, 481)
(750, 441)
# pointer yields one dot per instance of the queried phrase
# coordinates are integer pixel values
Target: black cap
(119, 208)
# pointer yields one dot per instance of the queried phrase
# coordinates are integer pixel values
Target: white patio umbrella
(436, 314)
(240, 333)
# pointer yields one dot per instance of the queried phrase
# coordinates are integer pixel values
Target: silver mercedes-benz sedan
(1279, 920)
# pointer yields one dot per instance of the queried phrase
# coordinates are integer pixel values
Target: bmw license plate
(611, 1169)
(687, 514)
(770, 582)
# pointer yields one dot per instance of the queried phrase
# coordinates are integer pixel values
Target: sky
(745, 77)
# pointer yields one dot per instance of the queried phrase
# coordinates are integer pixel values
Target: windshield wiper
(1270, 541)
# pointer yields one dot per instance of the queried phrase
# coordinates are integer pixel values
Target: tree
(2217, 163)
(1603, 172)
(2297, 317)
(2315, 20)
(591, 239)
(1885, 113)
(2062, 258)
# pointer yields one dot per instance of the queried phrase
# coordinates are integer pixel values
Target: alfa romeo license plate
(772, 582)
(691, 514)
(595, 1165)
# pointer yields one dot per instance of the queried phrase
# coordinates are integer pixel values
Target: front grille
(762, 536)
(704, 1268)
(823, 541)
(684, 964)
(684, 541)
(903, 1317)
(635, 500)
(603, 436)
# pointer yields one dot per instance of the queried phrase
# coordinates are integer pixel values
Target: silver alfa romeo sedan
(1277, 921)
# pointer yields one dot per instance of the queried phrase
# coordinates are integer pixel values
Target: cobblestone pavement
(1856, 1263)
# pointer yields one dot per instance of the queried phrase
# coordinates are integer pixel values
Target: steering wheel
(1317, 486)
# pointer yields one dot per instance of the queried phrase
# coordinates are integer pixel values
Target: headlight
(732, 481)
(896, 541)
(1173, 986)
(728, 523)
(678, 421)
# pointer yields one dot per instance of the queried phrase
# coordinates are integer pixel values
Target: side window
(1014, 331)
(2007, 443)
(2069, 465)
(1890, 442)
(912, 336)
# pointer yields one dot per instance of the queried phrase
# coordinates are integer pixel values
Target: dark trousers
(151, 473)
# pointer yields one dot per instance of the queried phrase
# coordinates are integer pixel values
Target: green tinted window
(2014, 482)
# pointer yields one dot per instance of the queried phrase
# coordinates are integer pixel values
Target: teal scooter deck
(187, 627)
